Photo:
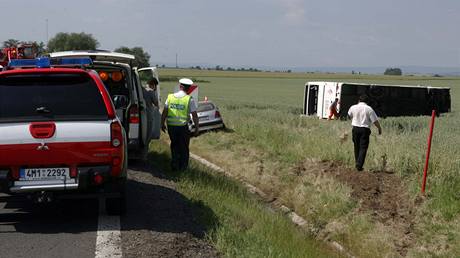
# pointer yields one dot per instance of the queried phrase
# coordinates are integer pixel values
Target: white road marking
(108, 241)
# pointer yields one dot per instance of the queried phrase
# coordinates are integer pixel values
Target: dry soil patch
(381, 194)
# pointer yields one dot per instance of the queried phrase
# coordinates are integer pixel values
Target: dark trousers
(180, 140)
(361, 143)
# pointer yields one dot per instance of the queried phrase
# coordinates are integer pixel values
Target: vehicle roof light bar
(45, 62)
(22, 63)
(71, 61)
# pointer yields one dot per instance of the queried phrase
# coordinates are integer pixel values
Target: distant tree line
(72, 41)
(142, 57)
(393, 71)
(220, 68)
(63, 41)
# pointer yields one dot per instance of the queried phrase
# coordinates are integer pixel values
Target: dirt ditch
(381, 194)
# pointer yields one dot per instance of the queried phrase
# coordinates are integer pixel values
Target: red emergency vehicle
(21, 51)
(60, 136)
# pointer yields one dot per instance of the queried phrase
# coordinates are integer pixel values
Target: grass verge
(267, 140)
(238, 224)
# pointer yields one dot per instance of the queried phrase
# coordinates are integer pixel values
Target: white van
(123, 81)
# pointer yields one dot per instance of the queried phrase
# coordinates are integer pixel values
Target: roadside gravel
(160, 221)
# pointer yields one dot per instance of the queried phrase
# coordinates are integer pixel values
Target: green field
(267, 138)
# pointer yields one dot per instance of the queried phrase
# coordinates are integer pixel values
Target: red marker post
(428, 150)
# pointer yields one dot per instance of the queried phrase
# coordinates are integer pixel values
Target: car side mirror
(120, 101)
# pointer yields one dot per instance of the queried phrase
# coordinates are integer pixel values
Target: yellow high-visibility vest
(178, 110)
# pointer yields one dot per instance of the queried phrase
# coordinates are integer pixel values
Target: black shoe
(359, 169)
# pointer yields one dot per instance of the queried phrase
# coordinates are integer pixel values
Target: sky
(254, 33)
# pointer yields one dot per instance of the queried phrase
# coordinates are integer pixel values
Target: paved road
(159, 223)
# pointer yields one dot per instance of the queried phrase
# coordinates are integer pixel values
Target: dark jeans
(361, 143)
(180, 140)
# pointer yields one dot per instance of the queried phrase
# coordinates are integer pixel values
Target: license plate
(44, 173)
(203, 118)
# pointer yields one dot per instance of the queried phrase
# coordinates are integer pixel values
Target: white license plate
(203, 118)
(44, 173)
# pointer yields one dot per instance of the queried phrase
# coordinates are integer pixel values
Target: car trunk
(52, 120)
(72, 143)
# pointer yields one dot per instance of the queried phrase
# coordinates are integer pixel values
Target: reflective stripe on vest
(178, 110)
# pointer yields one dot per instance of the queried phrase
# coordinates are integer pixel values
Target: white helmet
(186, 81)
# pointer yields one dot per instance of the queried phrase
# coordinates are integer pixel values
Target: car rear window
(202, 107)
(59, 97)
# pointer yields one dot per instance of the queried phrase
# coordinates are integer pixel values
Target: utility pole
(46, 31)
(176, 61)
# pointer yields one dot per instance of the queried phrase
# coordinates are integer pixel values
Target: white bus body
(386, 100)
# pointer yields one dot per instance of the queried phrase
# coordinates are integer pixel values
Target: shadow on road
(160, 208)
(152, 204)
(20, 214)
(162, 222)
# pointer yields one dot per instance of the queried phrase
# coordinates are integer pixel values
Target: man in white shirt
(363, 116)
(176, 114)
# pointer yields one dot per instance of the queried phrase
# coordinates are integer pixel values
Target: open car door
(145, 75)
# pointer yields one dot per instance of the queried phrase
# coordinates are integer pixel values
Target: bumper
(83, 183)
(21, 188)
(208, 125)
(211, 125)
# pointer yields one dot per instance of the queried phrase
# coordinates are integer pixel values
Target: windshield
(59, 97)
(202, 107)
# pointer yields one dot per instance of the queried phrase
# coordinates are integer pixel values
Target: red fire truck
(21, 51)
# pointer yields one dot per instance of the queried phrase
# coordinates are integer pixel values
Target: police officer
(176, 114)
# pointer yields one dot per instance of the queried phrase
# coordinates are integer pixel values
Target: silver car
(209, 117)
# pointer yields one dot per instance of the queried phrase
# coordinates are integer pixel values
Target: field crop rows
(268, 140)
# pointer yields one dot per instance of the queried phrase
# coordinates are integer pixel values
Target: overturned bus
(386, 100)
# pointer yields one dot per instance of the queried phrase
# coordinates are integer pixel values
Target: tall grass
(269, 138)
(238, 224)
